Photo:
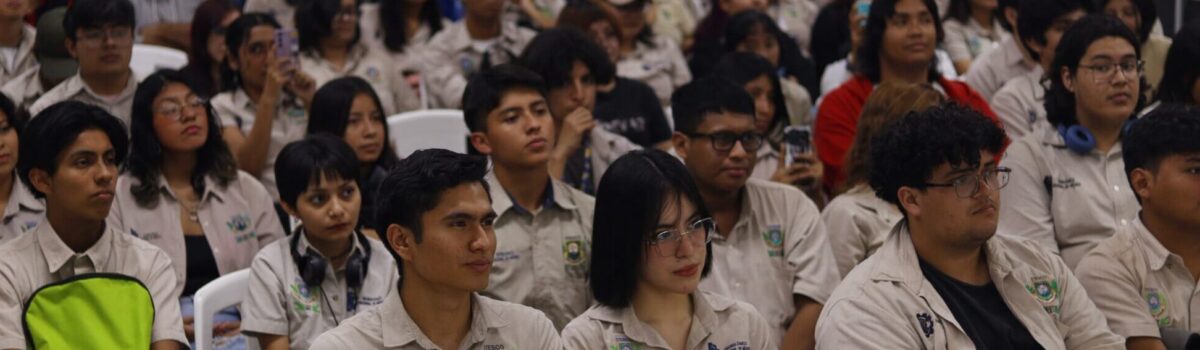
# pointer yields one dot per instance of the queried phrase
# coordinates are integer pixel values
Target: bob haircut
(236, 35)
(869, 52)
(307, 160)
(94, 14)
(146, 156)
(1060, 102)
(552, 55)
(629, 203)
(314, 20)
(330, 112)
(53, 130)
(1181, 67)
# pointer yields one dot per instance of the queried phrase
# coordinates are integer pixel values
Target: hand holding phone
(797, 140)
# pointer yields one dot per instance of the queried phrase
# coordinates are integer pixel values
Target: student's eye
(318, 199)
(110, 159)
(509, 118)
(664, 236)
(488, 222)
(1193, 171)
(82, 162)
(541, 111)
(459, 224)
(346, 192)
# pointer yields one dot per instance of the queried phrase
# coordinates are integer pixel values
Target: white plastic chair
(149, 58)
(432, 128)
(221, 293)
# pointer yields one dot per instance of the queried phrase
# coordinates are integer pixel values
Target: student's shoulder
(1121, 249)
(249, 186)
(1026, 252)
(731, 309)
(513, 315)
(779, 195)
(272, 256)
(361, 331)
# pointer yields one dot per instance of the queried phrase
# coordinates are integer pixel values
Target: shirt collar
(303, 245)
(1051, 137)
(21, 198)
(208, 189)
(76, 85)
(461, 40)
(703, 310)
(555, 196)
(1155, 251)
(1012, 52)
(57, 253)
(483, 318)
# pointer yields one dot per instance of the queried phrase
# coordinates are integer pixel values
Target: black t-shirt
(201, 264)
(981, 312)
(632, 110)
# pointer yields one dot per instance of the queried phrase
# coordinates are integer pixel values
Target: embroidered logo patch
(623, 343)
(573, 252)
(774, 238)
(304, 299)
(737, 345)
(926, 324)
(1046, 293)
(1156, 302)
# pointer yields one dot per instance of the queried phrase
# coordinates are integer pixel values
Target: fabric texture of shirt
(969, 41)
(39, 258)
(1020, 104)
(23, 89)
(858, 223)
(236, 110)
(796, 18)
(673, 20)
(23, 60)
(998, 65)
(394, 93)
(75, 89)
(284, 13)
(886, 302)
(1154, 56)
(660, 66)
(717, 323)
(22, 213)
(450, 58)
(632, 110)
(164, 11)
(372, 36)
(980, 311)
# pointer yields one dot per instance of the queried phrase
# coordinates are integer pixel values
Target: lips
(103, 195)
(481, 265)
(736, 171)
(370, 148)
(985, 209)
(1121, 97)
(191, 130)
(339, 227)
(537, 143)
(687, 271)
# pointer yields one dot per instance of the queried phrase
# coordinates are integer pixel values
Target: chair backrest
(221, 293)
(432, 128)
(149, 58)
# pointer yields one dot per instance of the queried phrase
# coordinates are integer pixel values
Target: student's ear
(401, 240)
(70, 45)
(40, 180)
(1066, 79)
(1036, 47)
(481, 142)
(1142, 181)
(680, 142)
(288, 209)
(909, 199)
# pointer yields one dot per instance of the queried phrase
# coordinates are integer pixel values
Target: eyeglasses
(95, 37)
(967, 186)
(723, 141)
(1107, 73)
(174, 111)
(698, 233)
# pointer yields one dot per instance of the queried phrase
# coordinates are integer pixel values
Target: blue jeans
(236, 341)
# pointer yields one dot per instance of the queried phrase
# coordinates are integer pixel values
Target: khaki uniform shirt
(1066, 202)
(450, 58)
(394, 93)
(717, 323)
(970, 40)
(279, 303)
(23, 213)
(23, 89)
(778, 248)
(858, 223)
(998, 65)
(494, 325)
(39, 258)
(74, 89)
(285, 14)
(238, 220)
(660, 66)
(1019, 104)
(1140, 285)
(796, 18)
(24, 60)
(542, 256)
(673, 20)
(236, 110)
(886, 302)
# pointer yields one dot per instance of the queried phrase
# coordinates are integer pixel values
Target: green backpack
(90, 311)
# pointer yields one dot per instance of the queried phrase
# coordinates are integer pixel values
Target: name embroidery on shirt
(774, 238)
(1156, 302)
(737, 345)
(493, 347)
(1066, 184)
(1046, 293)
(150, 236)
(506, 256)
(304, 299)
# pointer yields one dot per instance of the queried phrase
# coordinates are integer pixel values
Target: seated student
(900, 39)
(348, 108)
(1141, 277)
(1182, 68)
(540, 221)
(330, 48)
(456, 53)
(400, 30)
(1008, 59)
(857, 219)
(16, 40)
(1069, 191)
(69, 156)
(283, 11)
(183, 193)
(971, 27)
(165, 22)
(771, 249)
(262, 107)
(755, 32)
(1140, 16)
(100, 36)
(208, 50)
(22, 212)
(54, 63)
(436, 215)
(1020, 103)
(645, 56)
(570, 65)
(651, 248)
(943, 278)
(327, 271)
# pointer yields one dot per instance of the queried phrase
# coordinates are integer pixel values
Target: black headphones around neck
(312, 265)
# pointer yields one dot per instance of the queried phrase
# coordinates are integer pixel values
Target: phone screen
(797, 140)
(287, 43)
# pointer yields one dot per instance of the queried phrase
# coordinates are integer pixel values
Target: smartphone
(287, 43)
(797, 140)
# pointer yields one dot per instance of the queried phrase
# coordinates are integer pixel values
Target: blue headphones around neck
(1080, 140)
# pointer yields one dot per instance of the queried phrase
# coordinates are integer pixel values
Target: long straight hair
(330, 113)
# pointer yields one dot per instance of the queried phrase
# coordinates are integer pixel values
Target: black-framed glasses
(967, 186)
(1107, 73)
(698, 233)
(724, 141)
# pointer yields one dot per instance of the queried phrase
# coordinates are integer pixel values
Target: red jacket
(837, 120)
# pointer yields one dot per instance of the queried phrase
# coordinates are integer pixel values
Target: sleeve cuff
(1143, 330)
(816, 293)
(255, 325)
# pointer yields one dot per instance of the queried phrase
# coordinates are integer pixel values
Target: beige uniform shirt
(23, 213)
(39, 258)
(1140, 285)
(717, 322)
(1066, 202)
(796, 18)
(23, 89)
(970, 40)
(858, 223)
(284, 13)
(372, 36)
(495, 325)
(661, 66)
(394, 93)
(1154, 54)
(74, 89)
(778, 248)
(1019, 104)
(24, 60)
(238, 220)
(886, 302)
(452, 56)
(673, 20)
(998, 65)
(236, 110)
(542, 256)
(279, 303)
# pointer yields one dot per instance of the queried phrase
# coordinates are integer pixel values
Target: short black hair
(303, 163)
(692, 102)
(553, 53)
(629, 202)
(1147, 12)
(906, 152)
(485, 89)
(1060, 102)
(56, 128)
(330, 112)
(83, 14)
(1002, 5)
(416, 184)
(1181, 69)
(740, 68)
(236, 35)
(870, 51)
(1170, 129)
(16, 116)
(314, 20)
(1036, 17)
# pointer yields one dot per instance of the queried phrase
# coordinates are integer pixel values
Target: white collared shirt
(75, 89)
(236, 110)
(23, 60)
(23, 213)
(661, 66)
(450, 58)
(394, 92)
(1020, 104)
(998, 65)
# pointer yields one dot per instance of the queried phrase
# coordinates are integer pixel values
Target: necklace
(191, 210)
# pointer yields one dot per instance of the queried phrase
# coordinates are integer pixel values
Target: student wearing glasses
(1069, 189)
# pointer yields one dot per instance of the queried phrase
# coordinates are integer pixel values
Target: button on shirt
(1140, 285)
(279, 303)
(717, 323)
(858, 223)
(542, 255)
(1065, 201)
(394, 93)
(236, 110)
(451, 57)
(886, 302)
(23, 60)
(238, 220)
(39, 258)
(75, 89)
(23, 213)
(777, 249)
(1019, 104)
(998, 65)
(660, 65)
(495, 325)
